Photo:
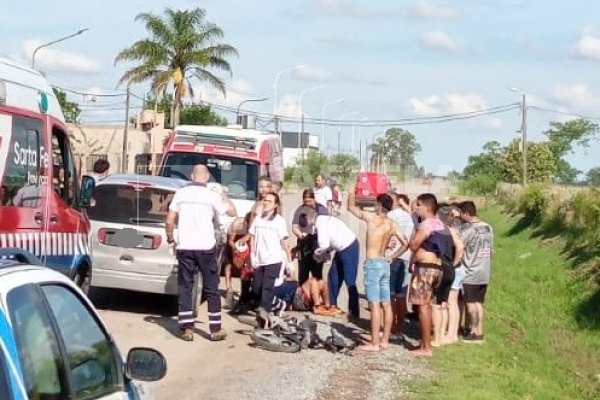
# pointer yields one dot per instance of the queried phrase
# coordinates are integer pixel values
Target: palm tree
(182, 45)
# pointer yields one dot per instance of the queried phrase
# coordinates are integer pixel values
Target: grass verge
(534, 348)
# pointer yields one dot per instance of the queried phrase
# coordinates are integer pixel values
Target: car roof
(150, 180)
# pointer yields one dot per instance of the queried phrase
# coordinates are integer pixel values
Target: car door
(11, 383)
(64, 351)
(23, 183)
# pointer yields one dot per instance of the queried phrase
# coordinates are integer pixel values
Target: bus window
(21, 183)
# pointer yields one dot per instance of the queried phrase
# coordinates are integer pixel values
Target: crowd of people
(430, 258)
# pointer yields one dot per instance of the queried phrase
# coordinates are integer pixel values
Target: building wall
(93, 141)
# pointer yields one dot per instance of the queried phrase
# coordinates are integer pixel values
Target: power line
(89, 94)
(374, 123)
(563, 113)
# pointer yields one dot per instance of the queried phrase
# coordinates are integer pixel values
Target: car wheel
(197, 295)
(83, 278)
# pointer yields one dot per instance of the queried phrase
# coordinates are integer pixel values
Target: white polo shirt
(196, 207)
(323, 195)
(332, 233)
(268, 234)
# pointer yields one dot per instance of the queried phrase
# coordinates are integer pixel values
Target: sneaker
(473, 338)
(229, 299)
(335, 310)
(187, 334)
(221, 334)
(324, 311)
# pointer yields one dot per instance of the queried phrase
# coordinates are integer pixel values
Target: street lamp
(283, 71)
(238, 119)
(330, 103)
(79, 32)
(523, 131)
(301, 115)
(339, 129)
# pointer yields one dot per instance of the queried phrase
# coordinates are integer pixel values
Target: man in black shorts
(478, 238)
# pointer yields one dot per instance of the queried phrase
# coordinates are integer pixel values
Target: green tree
(70, 109)
(562, 138)
(398, 147)
(593, 176)
(486, 163)
(343, 165)
(182, 45)
(541, 164)
(201, 115)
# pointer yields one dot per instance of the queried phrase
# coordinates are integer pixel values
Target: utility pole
(360, 158)
(524, 138)
(125, 132)
(339, 136)
(301, 138)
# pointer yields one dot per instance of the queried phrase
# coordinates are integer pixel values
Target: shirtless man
(380, 230)
(427, 245)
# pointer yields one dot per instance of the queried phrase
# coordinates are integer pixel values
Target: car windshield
(128, 204)
(238, 175)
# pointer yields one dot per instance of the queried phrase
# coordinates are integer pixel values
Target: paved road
(203, 369)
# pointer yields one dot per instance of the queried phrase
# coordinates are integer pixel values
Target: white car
(129, 243)
(53, 344)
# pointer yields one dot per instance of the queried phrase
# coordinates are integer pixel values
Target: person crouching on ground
(380, 230)
(312, 295)
(268, 243)
(334, 235)
(236, 253)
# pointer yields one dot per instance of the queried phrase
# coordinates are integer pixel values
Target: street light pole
(283, 71)
(330, 103)
(524, 138)
(237, 119)
(79, 32)
(523, 132)
(339, 129)
(301, 116)
(124, 158)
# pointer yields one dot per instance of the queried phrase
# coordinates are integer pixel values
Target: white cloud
(342, 8)
(576, 97)
(53, 59)
(437, 105)
(425, 10)
(588, 45)
(439, 41)
(311, 73)
(289, 106)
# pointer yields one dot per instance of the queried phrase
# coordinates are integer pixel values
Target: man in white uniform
(192, 206)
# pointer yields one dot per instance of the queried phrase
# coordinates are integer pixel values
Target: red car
(369, 185)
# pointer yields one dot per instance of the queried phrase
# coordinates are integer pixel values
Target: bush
(532, 202)
(480, 185)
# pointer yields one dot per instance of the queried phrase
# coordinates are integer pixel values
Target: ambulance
(39, 188)
(235, 156)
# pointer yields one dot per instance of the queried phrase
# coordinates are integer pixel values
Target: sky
(387, 59)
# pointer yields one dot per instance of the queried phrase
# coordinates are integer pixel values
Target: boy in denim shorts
(380, 230)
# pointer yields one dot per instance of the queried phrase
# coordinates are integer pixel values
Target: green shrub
(532, 202)
(480, 185)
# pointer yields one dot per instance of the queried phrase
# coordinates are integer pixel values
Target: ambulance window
(64, 179)
(21, 182)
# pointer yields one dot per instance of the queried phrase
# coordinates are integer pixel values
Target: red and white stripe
(48, 243)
